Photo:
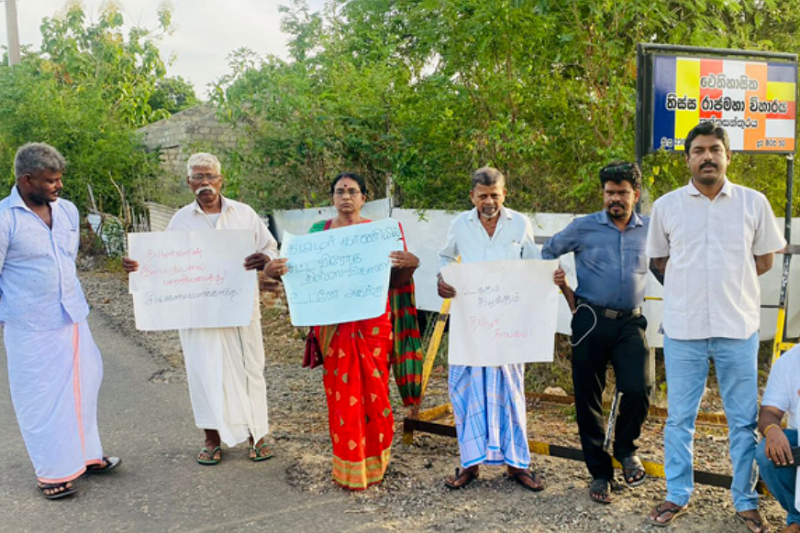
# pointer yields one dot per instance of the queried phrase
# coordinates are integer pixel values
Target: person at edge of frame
(776, 462)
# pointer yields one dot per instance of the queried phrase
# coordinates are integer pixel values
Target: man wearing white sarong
(489, 402)
(54, 367)
(225, 366)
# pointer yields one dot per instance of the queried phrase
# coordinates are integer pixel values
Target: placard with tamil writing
(192, 279)
(340, 275)
(504, 312)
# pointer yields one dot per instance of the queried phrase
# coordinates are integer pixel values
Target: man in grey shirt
(608, 326)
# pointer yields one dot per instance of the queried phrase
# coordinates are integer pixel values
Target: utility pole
(13, 32)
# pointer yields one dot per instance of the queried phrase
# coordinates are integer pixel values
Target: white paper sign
(192, 279)
(504, 312)
(339, 275)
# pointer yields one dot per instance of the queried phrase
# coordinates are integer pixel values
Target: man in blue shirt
(607, 325)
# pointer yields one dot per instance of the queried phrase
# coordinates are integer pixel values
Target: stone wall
(179, 135)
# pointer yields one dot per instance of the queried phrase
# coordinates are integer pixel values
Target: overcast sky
(207, 30)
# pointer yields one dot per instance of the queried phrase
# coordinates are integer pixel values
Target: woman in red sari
(357, 357)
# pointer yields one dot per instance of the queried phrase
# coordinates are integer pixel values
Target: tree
(85, 92)
(173, 95)
(428, 90)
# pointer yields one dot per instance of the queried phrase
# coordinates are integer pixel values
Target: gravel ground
(413, 497)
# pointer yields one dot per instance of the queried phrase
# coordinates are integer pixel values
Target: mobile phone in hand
(795, 455)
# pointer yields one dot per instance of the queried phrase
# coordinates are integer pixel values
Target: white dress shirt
(38, 280)
(233, 216)
(711, 286)
(512, 239)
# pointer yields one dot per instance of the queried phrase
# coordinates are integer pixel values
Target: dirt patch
(413, 496)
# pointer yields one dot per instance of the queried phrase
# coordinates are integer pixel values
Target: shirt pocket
(639, 261)
(67, 240)
(514, 250)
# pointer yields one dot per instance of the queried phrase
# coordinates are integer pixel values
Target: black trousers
(622, 343)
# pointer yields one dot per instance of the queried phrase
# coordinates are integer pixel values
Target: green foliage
(426, 91)
(173, 95)
(85, 92)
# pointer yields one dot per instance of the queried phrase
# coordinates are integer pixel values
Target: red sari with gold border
(356, 379)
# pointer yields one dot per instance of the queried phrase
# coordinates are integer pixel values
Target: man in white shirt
(711, 240)
(489, 402)
(54, 366)
(225, 366)
(774, 453)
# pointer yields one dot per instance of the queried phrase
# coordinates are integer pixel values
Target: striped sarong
(489, 408)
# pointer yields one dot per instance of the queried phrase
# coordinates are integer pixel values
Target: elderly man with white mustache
(224, 366)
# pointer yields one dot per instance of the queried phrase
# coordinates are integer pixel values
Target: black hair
(488, 176)
(620, 171)
(707, 128)
(362, 185)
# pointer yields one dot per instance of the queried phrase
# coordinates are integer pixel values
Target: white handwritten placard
(192, 279)
(504, 312)
(340, 275)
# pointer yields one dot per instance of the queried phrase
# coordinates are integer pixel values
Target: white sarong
(225, 371)
(55, 379)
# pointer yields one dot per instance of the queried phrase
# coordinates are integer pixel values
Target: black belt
(612, 314)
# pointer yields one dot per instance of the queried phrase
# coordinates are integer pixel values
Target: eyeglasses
(349, 192)
(201, 177)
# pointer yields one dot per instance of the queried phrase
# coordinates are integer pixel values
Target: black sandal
(109, 463)
(600, 486)
(631, 467)
(68, 491)
(467, 475)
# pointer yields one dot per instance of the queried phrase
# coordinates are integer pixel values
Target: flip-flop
(519, 477)
(675, 511)
(631, 466)
(56, 495)
(600, 486)
(260, 457)
(746, 520)
(468, 475)
(110, 463)
(211, 454)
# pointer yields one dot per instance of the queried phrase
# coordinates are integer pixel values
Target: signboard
(504, 312)
(192, 279)
(340, 275)
(754, 100)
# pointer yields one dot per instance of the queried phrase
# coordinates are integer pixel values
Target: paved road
(159, 487)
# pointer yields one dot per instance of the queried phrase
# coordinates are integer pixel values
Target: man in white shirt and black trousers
(711, 240)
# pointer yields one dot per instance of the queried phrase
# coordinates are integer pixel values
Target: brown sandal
(461, 479)
(760, 523)
(674, 511)
(523, 475)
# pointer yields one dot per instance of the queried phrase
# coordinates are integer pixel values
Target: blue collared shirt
(611, 264)
(38, 279)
